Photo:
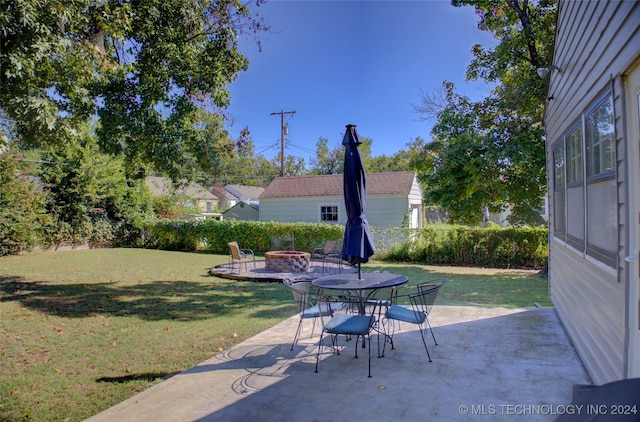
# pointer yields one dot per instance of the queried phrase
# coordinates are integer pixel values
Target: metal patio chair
(328, 253)
(241, 256)
(348, 324)
(421, 300)
(306, 296)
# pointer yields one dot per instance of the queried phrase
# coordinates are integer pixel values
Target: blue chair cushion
(357, 325)
(401, 313)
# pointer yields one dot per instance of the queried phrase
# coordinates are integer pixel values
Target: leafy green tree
(147, 69)
(241, 165)
(293, 166)
(327, 160)
(22, 205)
(90, 196)
(491, 153)
(331, 160)
(404, 160)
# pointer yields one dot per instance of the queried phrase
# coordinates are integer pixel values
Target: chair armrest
(403, 293)
(247, 252)
(319, 251)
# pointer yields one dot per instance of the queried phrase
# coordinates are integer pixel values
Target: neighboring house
(202, 198)
(238, 193)
(593, 159)
(394, 199)
(243, 211)
(502, 218)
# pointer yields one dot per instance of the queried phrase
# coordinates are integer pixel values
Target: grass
(83, 330)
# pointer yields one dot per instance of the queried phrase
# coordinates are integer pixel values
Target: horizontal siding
(596, 42)
(292, 210)
(381, 212)
(387, 211)
(241, 213)
(594, 325)
(415, 195)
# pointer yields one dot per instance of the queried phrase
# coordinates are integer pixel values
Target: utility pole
(282, 113)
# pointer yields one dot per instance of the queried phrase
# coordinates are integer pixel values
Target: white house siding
(386, 211)
(596, 42)
(381, 212)
(594, 326)
(303, 209)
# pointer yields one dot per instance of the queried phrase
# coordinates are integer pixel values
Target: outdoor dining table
(363, 286)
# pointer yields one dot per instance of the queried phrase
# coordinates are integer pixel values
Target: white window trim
(328, 204)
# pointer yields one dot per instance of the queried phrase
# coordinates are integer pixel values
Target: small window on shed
(329, 213)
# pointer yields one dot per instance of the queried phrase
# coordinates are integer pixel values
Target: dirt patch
(478, 270)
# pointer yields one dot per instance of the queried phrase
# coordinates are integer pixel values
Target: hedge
(494, 247)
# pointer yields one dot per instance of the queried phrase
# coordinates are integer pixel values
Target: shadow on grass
(148, 377)
(156, 300)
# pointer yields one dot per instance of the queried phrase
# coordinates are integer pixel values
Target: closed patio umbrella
(358, 242)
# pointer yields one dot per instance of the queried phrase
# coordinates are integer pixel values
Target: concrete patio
(490, 364)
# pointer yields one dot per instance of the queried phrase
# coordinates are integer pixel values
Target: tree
(327, 161)
(90, 197)
(293, 166)
(491, 153)
(22, 205)
(404, 160)
(149, 70)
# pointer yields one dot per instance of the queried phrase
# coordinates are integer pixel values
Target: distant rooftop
(388, 183)
(162, 186)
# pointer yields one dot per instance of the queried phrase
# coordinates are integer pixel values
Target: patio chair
(347, 324)
(241, 256)
(306, 300)
(421, 300)
(327, 253)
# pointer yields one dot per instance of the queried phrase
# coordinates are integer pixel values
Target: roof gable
(163, 186)
(245, 193)
(388, 183)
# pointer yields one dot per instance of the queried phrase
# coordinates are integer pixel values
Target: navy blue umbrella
(358, 242)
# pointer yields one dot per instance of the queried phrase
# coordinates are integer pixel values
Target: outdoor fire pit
(287, 261)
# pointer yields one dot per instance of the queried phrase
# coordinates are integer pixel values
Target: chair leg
(424, 342)
(318, 354)
(392, 330)
(295, 338)
(431, 329)
(369, 376)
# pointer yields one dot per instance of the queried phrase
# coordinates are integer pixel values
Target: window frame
(322, 213)
(599, 179)
(559, 187)
(575, 182)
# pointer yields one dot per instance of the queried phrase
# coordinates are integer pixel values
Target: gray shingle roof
(245, 193)
(162, 186)
(389, 183)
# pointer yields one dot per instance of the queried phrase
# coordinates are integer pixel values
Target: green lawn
(83, 330)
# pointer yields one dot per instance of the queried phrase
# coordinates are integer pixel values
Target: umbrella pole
(359, 272)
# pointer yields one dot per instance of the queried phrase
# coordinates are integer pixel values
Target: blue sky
(360, 62)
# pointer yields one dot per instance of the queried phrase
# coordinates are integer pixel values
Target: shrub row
(439, 245)
(495, 247)
(213, 235)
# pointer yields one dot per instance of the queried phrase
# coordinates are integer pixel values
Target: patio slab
(259, 272)
(490, 364)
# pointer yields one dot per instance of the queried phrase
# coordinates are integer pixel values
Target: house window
(585, 205)
(575, 188)
(209, 207)
(602, 199)
(558, 191)
(329, 213)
